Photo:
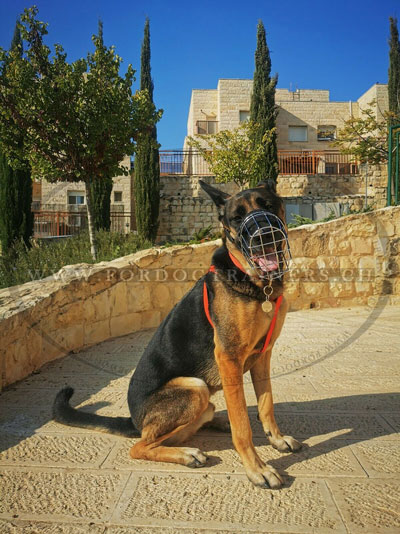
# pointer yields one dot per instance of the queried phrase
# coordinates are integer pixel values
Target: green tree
(365, 137)
(80, 119)
(394, 69)
(147, 167)
(100, 190)
(16, 217)
(263, 111)
(232, 155)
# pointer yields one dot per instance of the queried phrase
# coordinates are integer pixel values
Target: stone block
(385, 228)
(138, 297)
(70, 314)
(368, 505)
(96, 332)
(160, 295)
(150, 319)
(361, 245)
(122, 325)
(338, 245)
(118, 300)
(315, 289)
(54, 451)
(70, 495)
(97, 307)
(341, 289)
(227, 502)
(60, 342)
(367, 263)
(364, 288)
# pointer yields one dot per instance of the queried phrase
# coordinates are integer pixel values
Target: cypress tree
(147, 168)
(394, 70)
(16, 217)
(100, 190)
(263, 111)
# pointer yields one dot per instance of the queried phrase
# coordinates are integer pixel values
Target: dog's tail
(64, 413)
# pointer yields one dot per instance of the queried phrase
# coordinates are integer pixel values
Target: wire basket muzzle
(263, 241)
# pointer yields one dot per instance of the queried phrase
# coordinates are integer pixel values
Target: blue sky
(341, 45)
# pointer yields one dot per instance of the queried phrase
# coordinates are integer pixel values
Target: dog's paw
(265, 477)
(285, 443)
(194, 457)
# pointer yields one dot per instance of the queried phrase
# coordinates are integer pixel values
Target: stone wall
(350, 261)
(378, 94)
(185, 208)
(353, 260)
(337, 185)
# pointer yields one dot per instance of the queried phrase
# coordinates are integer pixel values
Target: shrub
(22, 264)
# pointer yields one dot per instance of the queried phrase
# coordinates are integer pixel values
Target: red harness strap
(274, 318)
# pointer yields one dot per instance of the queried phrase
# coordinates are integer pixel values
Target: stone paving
(336, 388)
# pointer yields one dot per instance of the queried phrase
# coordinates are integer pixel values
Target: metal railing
(316, 162)
(66, 223)
(189, 162)
(186, 162)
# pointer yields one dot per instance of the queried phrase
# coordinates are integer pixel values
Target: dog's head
(254, 226)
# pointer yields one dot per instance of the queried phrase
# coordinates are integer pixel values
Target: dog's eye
(263, 204)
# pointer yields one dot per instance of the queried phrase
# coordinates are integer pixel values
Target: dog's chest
(210, 372)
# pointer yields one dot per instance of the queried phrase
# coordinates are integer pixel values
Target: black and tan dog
(200, 348)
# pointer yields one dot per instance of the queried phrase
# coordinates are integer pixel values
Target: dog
(224, 326)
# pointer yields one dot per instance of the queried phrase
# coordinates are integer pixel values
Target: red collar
(236, 262)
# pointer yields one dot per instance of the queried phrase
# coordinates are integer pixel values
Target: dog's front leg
(260, 375)
(258, 472)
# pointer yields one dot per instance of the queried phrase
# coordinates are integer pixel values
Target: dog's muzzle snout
(263, 240)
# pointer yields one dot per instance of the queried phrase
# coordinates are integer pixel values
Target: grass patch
(22, 264)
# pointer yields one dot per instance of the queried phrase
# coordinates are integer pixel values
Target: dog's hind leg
(173, 414)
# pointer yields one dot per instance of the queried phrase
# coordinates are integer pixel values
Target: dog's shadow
(328, 422)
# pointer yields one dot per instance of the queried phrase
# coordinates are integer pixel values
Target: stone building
(65, 196)
(307, 118)
(307, 123)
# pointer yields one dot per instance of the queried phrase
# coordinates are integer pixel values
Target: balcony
(68, 223)
(191, 162)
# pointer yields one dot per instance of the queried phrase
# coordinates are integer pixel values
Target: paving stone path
(336, 388)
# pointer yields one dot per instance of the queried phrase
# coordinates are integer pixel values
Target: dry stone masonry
(347, 262)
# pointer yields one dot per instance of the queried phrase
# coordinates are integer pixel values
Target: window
(117, 196)
(76, 197)
(207, 127)
(326, 133)
(298, 133)
(244, 116)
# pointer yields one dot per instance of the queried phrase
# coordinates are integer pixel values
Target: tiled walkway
(336, 384)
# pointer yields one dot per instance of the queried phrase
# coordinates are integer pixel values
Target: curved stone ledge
(349, 261)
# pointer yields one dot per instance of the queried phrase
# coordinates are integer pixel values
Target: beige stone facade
(55, 197)
(302, 112)
(346, 262)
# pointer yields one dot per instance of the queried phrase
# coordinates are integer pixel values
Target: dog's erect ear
(268, 184)
(218, 197)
